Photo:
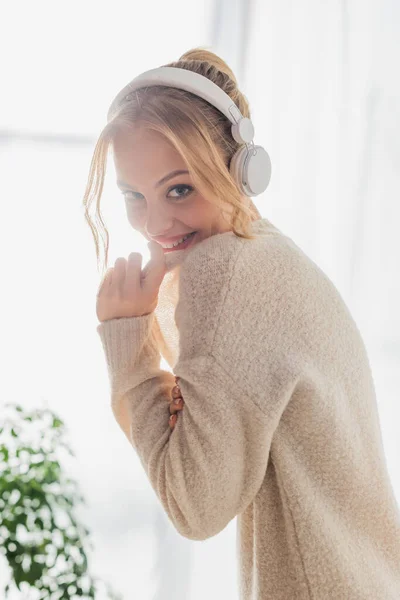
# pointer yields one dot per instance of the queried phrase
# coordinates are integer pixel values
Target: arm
(212, 465)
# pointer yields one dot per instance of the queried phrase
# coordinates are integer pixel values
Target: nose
(158, 222)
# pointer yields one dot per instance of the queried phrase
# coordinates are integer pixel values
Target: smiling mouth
(181, 245)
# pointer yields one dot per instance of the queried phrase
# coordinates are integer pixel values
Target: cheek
(136, 218)
(197, 214)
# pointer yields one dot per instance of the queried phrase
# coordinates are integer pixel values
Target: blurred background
(323, 84)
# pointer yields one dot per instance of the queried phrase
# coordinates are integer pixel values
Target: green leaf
(38, 521)
(5, 453)
(35, 572)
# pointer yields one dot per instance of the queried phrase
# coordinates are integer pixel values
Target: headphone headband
(185, 80)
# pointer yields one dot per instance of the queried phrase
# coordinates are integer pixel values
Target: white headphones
(251, 165)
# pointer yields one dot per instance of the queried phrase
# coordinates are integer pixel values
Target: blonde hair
(198, 131)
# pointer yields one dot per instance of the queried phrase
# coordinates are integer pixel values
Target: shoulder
(226, 281)
(267, 282)
(216, 255)
(224, 257)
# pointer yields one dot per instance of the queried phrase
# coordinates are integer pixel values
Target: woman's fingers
(176, 404)
(155, 268)
(176, 396)
(133, 271)
(119, 272)
(176, 392)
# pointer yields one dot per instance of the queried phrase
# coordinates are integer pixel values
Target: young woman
(279, 425)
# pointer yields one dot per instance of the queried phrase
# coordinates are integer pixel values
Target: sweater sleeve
(210, 467)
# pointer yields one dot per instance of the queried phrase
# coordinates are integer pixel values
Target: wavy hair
(198, 131)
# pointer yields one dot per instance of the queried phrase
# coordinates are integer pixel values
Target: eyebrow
(122, 184)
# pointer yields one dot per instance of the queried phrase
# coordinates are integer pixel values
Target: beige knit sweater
(280, 425)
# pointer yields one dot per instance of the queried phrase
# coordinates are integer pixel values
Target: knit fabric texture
(280, 426)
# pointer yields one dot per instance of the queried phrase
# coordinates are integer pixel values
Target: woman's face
(162, 205)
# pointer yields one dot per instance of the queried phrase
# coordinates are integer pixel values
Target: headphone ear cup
(237, 167)
(251, 169)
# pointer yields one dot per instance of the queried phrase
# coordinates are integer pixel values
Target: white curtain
(322, 83)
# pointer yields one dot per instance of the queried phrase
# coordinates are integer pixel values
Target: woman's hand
(126, 290)
(176, 404)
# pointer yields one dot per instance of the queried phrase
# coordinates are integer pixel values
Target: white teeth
(176, 243)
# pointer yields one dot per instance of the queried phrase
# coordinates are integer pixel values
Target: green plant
(40, 536)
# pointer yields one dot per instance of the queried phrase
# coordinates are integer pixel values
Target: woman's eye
(188, 191)
(135, 194)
